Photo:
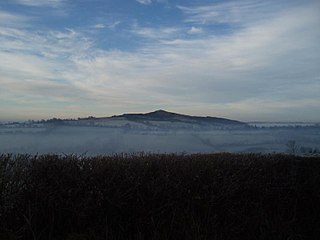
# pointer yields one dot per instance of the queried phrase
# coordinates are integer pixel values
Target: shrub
(201, 196)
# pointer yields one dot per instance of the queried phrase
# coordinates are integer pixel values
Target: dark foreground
(218, 196)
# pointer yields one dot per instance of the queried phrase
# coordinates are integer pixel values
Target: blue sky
(246, 60)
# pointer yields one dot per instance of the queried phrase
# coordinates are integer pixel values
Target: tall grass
(202, 196)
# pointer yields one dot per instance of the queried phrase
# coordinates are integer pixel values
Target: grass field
(203, 196)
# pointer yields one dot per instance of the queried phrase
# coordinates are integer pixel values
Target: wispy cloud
(195, 30)
(12, 20)
(148, 2)
(99, 26)
(266, 67)
(145, 2)
(32, 63)
(156, 33)
(41, 3)
(259, 62)
(233, 12)
(111, 26)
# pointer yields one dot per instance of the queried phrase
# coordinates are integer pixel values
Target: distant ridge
(162, 115)
(156, 120)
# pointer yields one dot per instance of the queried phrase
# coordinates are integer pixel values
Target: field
(99, 140)
(165, 196)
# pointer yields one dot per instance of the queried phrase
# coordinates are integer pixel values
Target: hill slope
(161, 115)
(157, 120)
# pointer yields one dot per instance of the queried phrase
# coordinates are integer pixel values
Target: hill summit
(162, 115)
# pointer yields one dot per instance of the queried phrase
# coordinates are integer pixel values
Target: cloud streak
(41, 3)
(145, 2)
(233, 12)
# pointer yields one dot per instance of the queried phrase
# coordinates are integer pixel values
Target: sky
(250, 60)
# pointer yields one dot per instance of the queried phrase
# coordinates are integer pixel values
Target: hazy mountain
(161, 115)
(156, 120)
(160, 119)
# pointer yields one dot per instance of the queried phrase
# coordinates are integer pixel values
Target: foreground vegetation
(217, 196)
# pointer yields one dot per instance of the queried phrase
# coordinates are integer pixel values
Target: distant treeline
(213, 196)
(95, 122)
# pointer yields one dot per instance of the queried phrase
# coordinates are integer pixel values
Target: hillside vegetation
(212, 196)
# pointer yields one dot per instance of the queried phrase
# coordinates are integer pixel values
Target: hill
(162, 115)
(162, 119)
(157, 120)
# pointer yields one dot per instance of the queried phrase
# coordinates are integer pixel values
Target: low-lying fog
(93, 140)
